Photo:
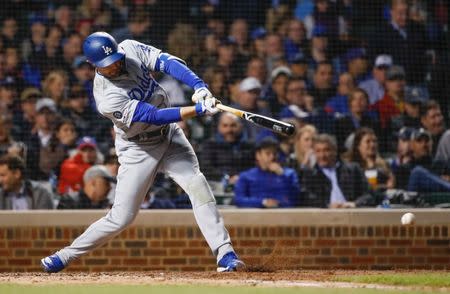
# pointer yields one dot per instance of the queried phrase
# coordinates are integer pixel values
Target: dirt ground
(307, 278)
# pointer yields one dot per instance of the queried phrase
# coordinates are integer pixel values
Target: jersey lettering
(146, 86)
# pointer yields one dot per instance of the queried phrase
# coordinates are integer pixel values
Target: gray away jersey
(117, 98)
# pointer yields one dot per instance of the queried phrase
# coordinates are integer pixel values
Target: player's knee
(199, 191)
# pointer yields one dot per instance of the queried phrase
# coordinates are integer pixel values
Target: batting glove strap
(201, 94)
(207, 107)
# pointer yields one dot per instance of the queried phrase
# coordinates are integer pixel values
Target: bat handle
(234, 111)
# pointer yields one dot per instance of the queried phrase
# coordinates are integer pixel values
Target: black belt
(146, 136)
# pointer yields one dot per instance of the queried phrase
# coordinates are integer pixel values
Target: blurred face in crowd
(358, 66)
(66, 134)
(274, 46)
(403, 147)
(296, 31)
(12, 59)
(4, 130)
(217, 83)
(323, 76)
(217, 26)
(63, 16)
(229, 127)
(295, 91)
(56, 87)
(265, 156)
(399, 13)
(78, 102)
(346, 84)
(395, 87)
(319, 43)
(379, 73)
(9, 28)
(325, 154)
(97, 189)
(225, 54)
(322, 5)
(29, 107)
(279, 87)
(433, 121)
(54, 38)
(38, 31)
(11, 180)
(304, 141)
(72, 47)
(44, 119)
(368, 146)
(84, 72)
(257, 69)
(7, 96)
(89, 154)
(239, 31)
(211, 44)
(421, 147)
(358, 102)
(248, 99)
(412, 109)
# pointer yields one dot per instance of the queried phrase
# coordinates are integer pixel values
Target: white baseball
(408, 218)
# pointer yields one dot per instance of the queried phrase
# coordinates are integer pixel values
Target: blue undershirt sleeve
(175, 67)
(148, 113)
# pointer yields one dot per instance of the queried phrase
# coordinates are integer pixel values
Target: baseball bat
(261, 120)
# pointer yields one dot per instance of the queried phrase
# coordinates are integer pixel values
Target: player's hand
(209, 106)
(270, 203)
(201, 94)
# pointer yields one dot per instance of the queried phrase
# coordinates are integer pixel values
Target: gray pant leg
(136, 173)
(181, 164)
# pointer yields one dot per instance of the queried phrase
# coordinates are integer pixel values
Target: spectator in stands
(433, 121)
(33, 50)
(357, 117)
(256, 69)
(79, 111)
(93, 195)
(276, 96)
(375, 86)
(356, 64)
(13, 65)
(403, 150)
(139, 27)
(83, 74)
(64, 19)
(24, 120)
(297, 105)
(392, 103)
(364, 152)
(19, 193)
(258, 44)
(324, 14)
(228, 153)
(268, 185)
(274, 51)
(46, 113)
(415, 97)
(215, 79)
(9, 35)
(72, 169)
(7, 144)
(71, 49)
(8, 95)
(322, 88)
(443, 149)
(404, 40)
(423, 174)
(298, 65)
(303, 148)
(60, 146)
(338, 105)
(239, 33)
(331, 183)
(54, 86)
(295, 41)
(52, 59)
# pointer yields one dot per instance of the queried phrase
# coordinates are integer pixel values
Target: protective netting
(373, 75)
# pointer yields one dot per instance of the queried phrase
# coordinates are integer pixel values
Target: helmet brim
(110, 59)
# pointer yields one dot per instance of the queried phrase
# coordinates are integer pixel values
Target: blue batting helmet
(101, 49)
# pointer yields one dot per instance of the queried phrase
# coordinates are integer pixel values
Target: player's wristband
(199, 109)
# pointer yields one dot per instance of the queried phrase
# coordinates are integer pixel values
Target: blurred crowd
(365, 83)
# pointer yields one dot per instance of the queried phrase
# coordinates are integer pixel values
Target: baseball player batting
(147, 141)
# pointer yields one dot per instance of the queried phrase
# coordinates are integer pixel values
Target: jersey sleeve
(118, 108)
(146, 53)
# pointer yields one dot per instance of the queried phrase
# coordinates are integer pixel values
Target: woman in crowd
(303, 152)
(364, 151)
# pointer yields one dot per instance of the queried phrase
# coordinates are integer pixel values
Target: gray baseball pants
(139, 164)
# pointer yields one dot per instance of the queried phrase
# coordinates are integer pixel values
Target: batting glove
(207, 106)
(201, 94)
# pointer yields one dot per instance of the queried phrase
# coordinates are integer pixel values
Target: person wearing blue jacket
(268, 185)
